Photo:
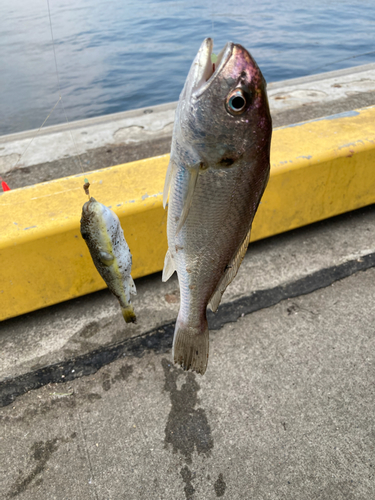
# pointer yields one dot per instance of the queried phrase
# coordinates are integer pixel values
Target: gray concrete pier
(92, 408)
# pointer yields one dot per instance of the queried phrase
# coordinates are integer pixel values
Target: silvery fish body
(218, 171)
(102, 231)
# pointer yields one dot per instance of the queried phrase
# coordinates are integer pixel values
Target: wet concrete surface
(285, 410)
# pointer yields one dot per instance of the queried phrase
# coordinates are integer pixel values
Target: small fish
(218, 171)
(102, 231)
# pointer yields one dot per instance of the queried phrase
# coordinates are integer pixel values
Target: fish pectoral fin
(106, 258)
(169, 267)
(229, 274)
(192, 182)
(167, 183)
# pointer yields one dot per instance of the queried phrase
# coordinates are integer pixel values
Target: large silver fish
(219, 168)
(102, 231)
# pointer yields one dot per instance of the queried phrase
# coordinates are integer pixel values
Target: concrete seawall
(133, 135)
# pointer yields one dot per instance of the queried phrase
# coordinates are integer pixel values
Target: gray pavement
(285, 410)
(91, 408)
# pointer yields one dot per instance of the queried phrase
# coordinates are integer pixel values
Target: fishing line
(59, 85)
(212, 19)
(37, 132)
(341, 60)
(4, 185)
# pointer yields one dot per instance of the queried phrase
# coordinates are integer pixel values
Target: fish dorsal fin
(229, 274)
(169, 268)
(193, 174)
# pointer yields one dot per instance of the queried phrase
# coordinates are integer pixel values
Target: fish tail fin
(190, 345)
(129, 314)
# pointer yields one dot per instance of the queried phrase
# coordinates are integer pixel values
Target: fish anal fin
(192, 182)
(169, 267)
(129, 286)
(230, 273)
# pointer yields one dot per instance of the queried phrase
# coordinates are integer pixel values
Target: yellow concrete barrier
(319, 169)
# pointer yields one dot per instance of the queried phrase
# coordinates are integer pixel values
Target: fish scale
(224, 215)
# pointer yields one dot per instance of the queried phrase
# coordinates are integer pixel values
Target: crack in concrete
(92, 480)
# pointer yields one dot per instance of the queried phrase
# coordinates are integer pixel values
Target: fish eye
(236, 102)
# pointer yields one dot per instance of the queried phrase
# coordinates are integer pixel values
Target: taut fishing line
(3, 183)
(87, 184)
(341, 60)
(59, 85)
(59, 100)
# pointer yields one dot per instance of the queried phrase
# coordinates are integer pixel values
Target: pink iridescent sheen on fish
(219, 168)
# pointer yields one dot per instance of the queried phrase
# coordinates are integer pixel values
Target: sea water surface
(117, 55)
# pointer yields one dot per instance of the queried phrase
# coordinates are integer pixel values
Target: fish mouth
(87, 206)
(205, 70)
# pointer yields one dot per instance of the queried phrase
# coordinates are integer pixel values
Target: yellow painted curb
(319, 169)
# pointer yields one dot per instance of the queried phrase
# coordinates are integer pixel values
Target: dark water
(118, 55)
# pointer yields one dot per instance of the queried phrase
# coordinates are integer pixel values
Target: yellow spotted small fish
(101, 229)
